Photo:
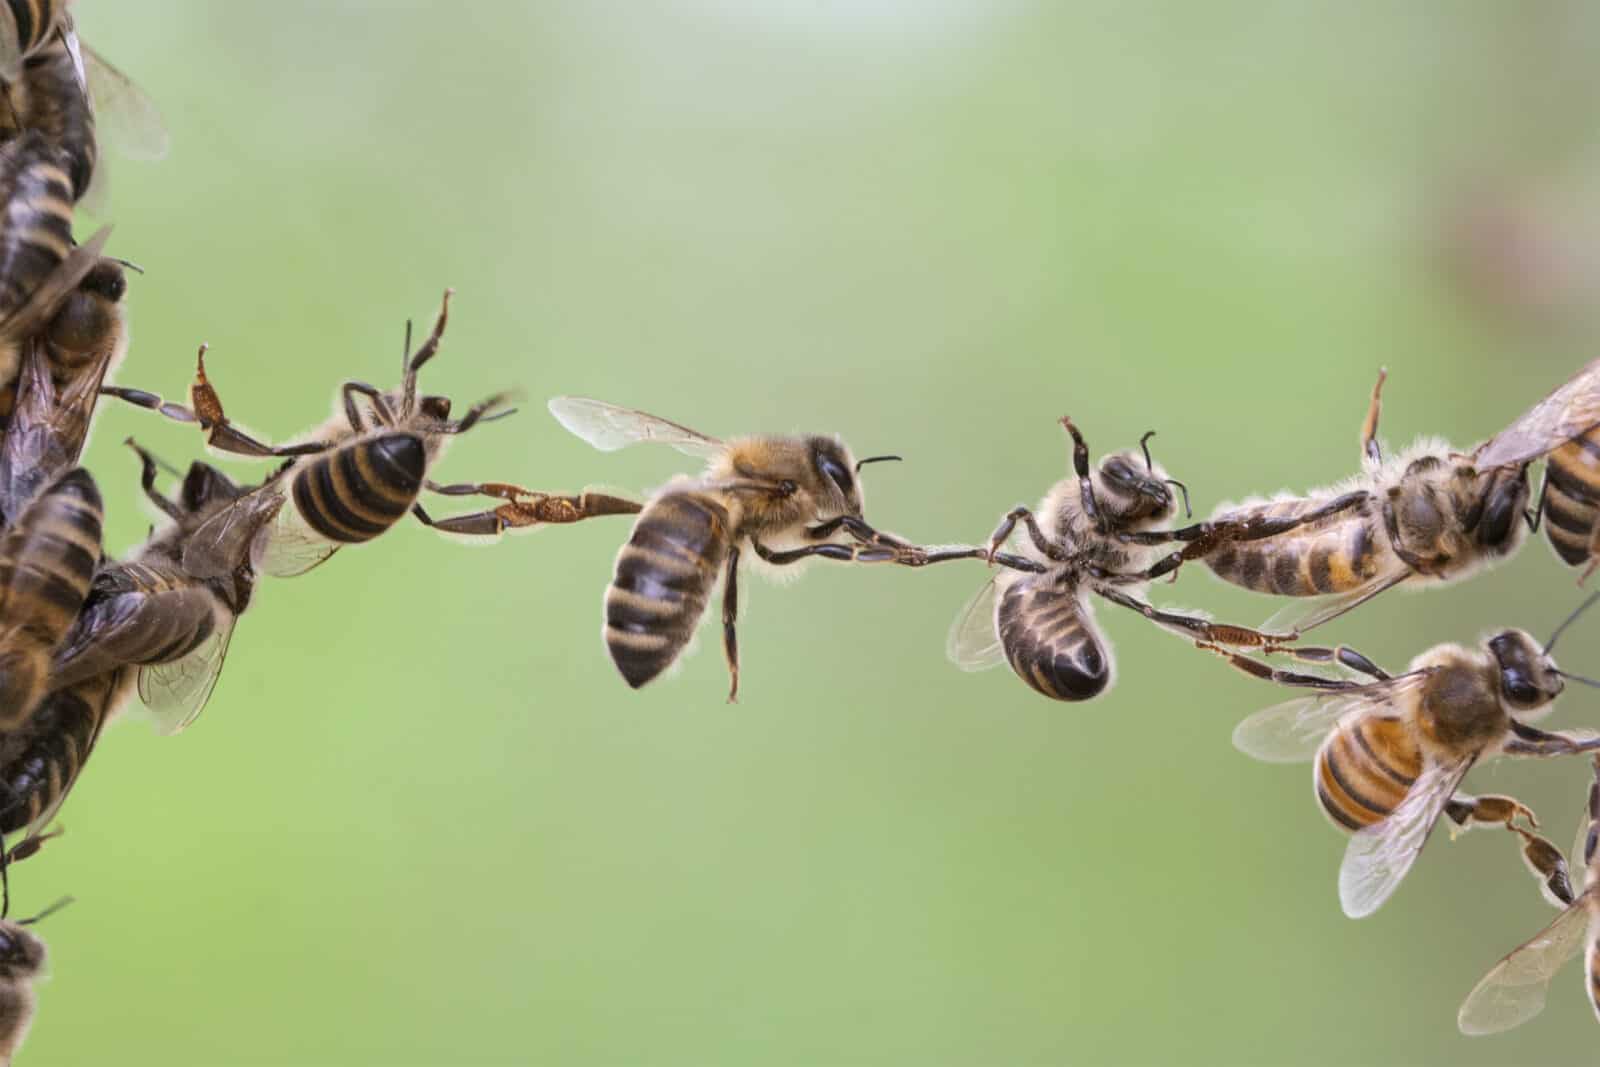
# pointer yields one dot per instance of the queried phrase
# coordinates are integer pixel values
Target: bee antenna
(127, 263)
(1184, 489)
(1570, 619)
(145, 453)
(876, 459)
(1144, 446)
(47, 912)
(1580, 679)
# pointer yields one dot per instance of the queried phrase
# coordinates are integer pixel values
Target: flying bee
(783, 498)
(1391, 752)
(1514, 989)
(47, 560)
(55, 85)
(359, 476)
(149, 612)
(1039, 619)
(22, 962)
(1427, 516)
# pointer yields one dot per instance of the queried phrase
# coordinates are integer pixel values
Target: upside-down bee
(1390, 752)
(1041, 620)
(783, 498)
(361, 473)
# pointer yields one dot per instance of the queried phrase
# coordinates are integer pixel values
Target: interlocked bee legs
(523, 508)
(1341, 655)
(730, 615)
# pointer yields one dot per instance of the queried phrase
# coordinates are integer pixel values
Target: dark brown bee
(783, 498)
(1427, 516)
(22, 962)
(149, 612)
(361, 474)
(40, 760)
(1391, 752)
(47, 559)
(55, 84)
(1040, 619)
(1514, 989)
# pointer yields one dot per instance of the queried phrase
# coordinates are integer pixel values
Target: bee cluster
(82, 631)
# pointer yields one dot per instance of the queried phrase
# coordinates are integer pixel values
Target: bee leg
(526, 507)
(857, 553)
(479, 412)
(150, 402)
(1534, 742)
(1193, 626)
(1344, 656)
(352, 414)
(1370, 449)
(1544, 860)
(206, 409)
(30, 846)
(1256, 669)
(147, 482)
(1040, 541)
(730, 615)
(1533, 517)
(429, 349)
(1080, 466)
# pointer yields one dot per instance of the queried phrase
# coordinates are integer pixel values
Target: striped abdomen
(36, 217)
(1591, 960)
(360, 489)
(47, 561)
(137, 614)
(35, 21)
(1572, 497)
(663, 576)
(51, 99)
(1333, 555)
(41, 759)
(1364, 770)
(1049, 639)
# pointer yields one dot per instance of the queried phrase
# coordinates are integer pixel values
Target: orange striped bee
(1514, 989)
(1391, 752)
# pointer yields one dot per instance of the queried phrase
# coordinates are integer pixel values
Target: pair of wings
(1379, 856)
(261, 527)
(609, 427)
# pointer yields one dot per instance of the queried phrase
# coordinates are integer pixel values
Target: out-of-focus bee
(1427, 516)
(1391, 752)
(1569, 503)
(1514, 989)
(359, 476)
(47, 560)
(1042, 622)
(55, 85)
(785, 499)
(22, 961)
(149, 612)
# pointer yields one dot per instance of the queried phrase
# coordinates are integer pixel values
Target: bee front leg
(730, 616)
(1533, 742)
(523, 508)
(1080, 467)
(1040, 541)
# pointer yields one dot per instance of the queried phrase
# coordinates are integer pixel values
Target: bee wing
(1293, 731)
(974, 641)
(126, 113)
(42, 303)
(177, 692)
(1379, 856)
(1307, 613)
(225, 540)
(1571, 410)
(608, 427)
(287, 546)
(1514, 989)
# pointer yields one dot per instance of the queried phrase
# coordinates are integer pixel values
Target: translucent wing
(130, 119)
(227, 539)
(1307, 613)
(1292, 732)
(1571, 410)
(974, 641)
(42, 303)
(1379, 856)
(287, 547)
(177, 692)
(1514, 989)
(608, 427)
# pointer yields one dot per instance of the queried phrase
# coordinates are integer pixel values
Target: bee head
(21, 953)
(1131, 489)
(90, 314)
(205, 487)
(833, 470)
(1529, 678)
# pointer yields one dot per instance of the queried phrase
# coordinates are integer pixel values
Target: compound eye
(1518, 689)
(838, 473)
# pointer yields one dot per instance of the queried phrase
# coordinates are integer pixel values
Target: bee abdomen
(35, 20)
(1050, 641)
(1572, 497)
(1312, 561)
(663, 576)
(359, 490)
(43, 759)
(36, 222)
(1364, 771)
(55, 103)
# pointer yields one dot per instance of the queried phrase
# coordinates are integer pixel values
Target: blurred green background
(423, 821)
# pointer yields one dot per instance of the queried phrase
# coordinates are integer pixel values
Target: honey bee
(1391, 752)
(783, 498)
(149, 612)
(55, 85)
(1427, 516)
(359, 476)
(47, 560)
(1514, 990)
(22, 962)
(1039, 618)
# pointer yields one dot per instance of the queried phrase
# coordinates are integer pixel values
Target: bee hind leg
(523, 508)
(1200, 629)
(1370, 449)
(1544, 859)
(730, 616)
